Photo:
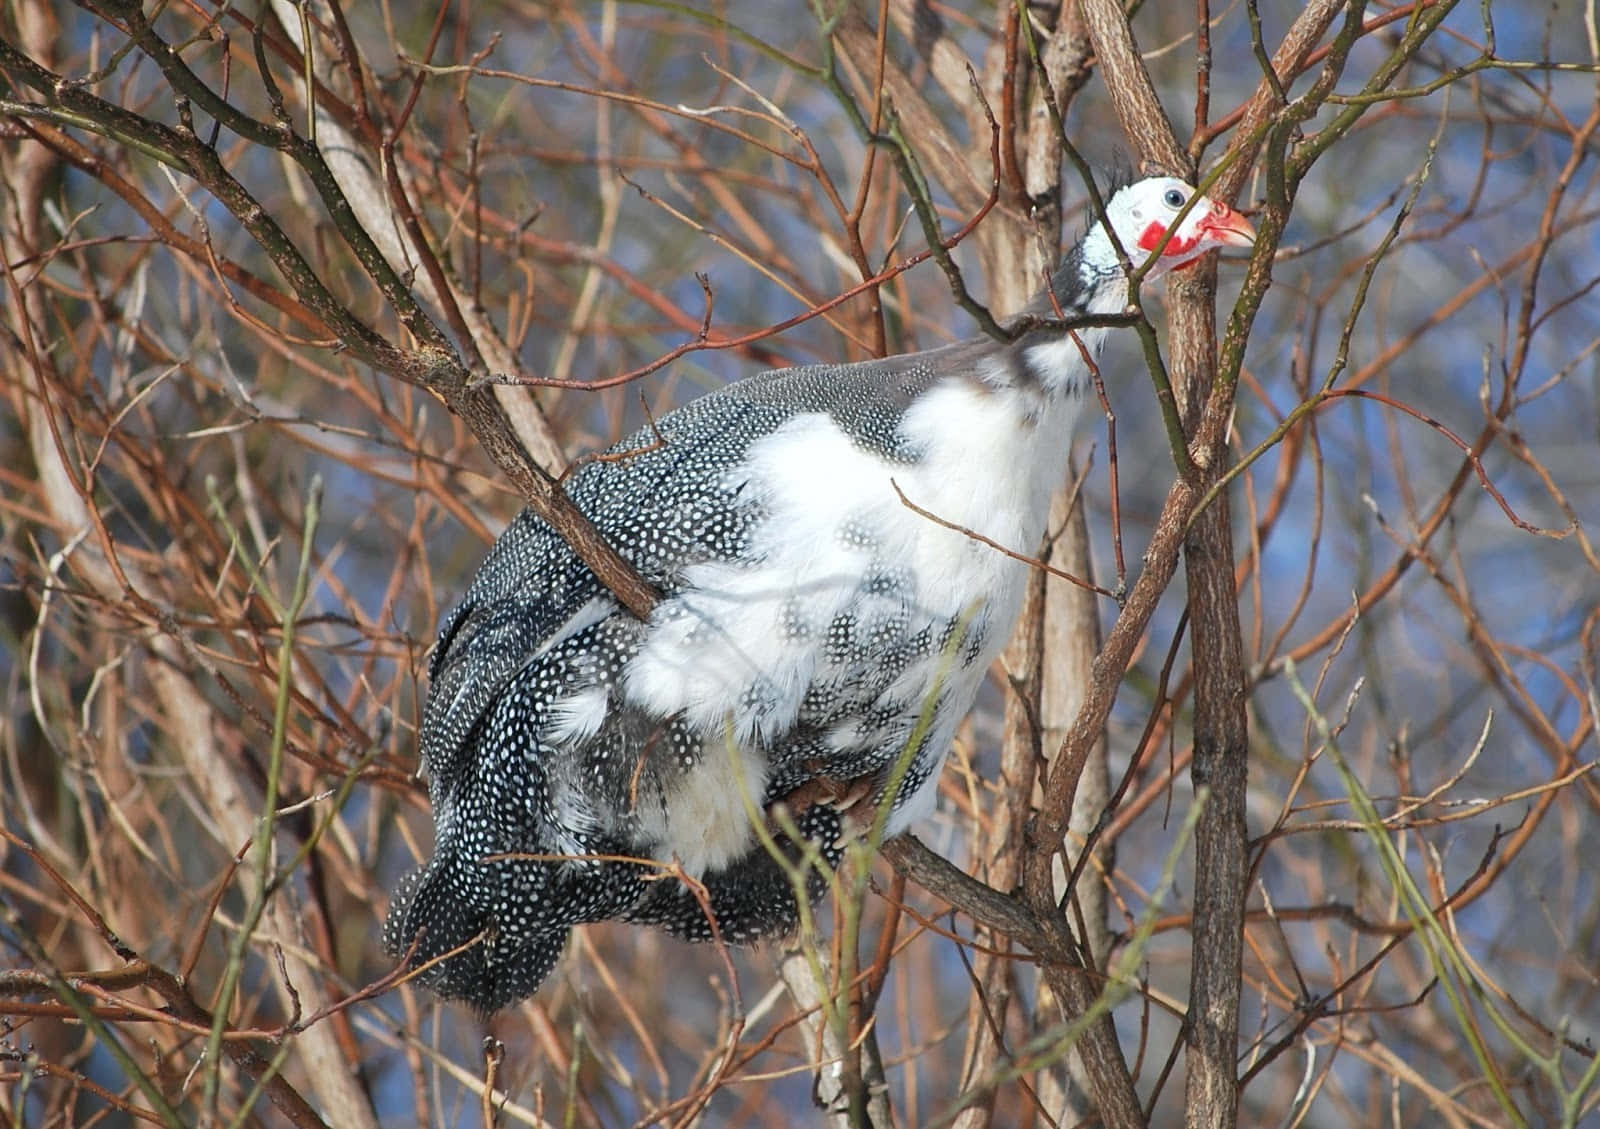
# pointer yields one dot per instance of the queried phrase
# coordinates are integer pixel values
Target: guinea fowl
(814, 632)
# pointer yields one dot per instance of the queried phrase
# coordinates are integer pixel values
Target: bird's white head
(1151, 215)
(1142, 214)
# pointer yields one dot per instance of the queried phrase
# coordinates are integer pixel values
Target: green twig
(1450, 969)
(261, 861)
(103, 1036)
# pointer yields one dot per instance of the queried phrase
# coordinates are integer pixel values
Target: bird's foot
(855, 801)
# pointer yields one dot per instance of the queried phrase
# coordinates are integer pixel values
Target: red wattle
(1150, 238)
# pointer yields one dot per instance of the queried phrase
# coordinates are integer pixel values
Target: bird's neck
(1058, 360)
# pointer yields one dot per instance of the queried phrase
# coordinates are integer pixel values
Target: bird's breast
(869, 583)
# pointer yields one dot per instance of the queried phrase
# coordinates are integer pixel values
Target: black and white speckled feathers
(813, 630)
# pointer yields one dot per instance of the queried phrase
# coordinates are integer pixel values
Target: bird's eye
(1173, 198)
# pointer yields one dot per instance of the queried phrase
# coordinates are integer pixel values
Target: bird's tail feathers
(453, 904)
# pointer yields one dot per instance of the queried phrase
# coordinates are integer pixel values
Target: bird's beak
(1229, 228)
